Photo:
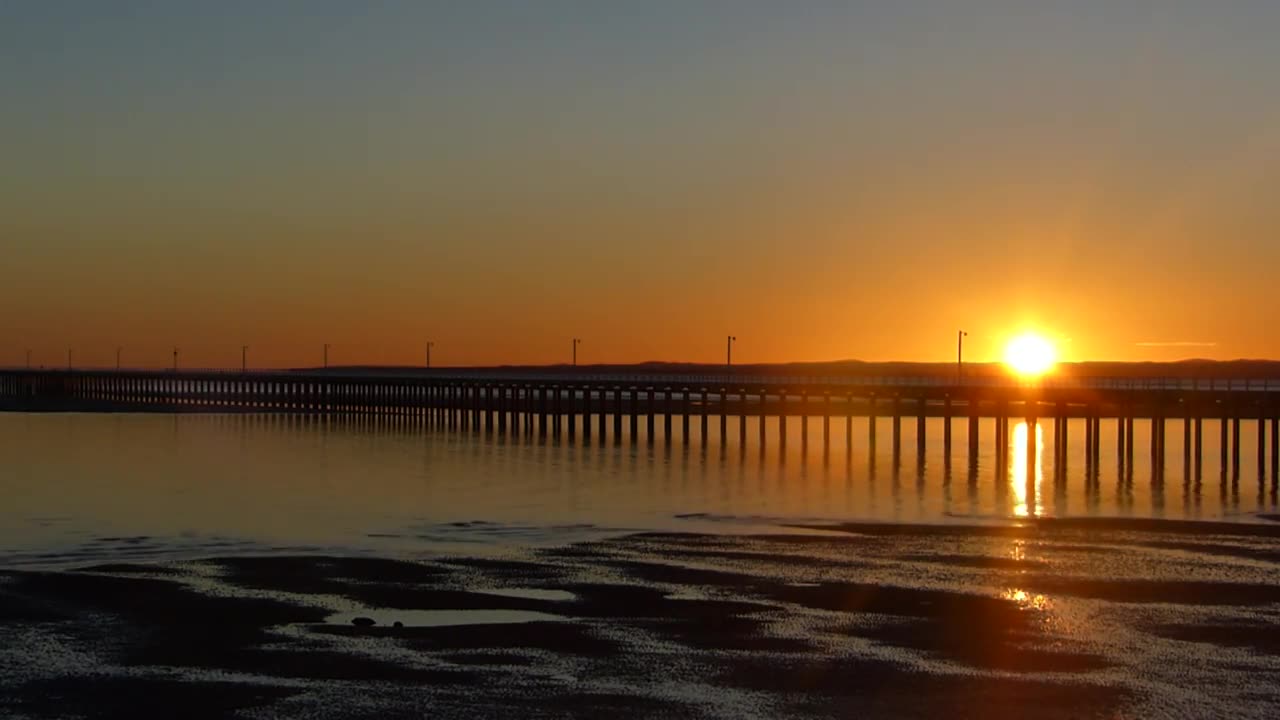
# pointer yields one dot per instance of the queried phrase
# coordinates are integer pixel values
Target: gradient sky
(824, 180)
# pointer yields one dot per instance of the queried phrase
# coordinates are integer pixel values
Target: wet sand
(1051, 620)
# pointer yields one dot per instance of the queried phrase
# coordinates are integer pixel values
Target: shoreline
(1262, 526)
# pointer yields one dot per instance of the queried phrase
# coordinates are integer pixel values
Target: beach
(1105, 618)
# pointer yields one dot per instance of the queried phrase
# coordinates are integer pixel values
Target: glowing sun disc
(1029, 354)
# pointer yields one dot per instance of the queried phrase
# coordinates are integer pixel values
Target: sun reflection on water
(1026, 600)
(1018, 551)
(1024, 506)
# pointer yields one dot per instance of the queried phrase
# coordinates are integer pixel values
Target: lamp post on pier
(244, 351)
(728, 350)
(175, 359)
(576, 343)
(960, 336)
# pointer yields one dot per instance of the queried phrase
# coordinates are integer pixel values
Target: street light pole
(244, 350)
(728, 350)
(576, 343)
(175, 359)
(960, 336)
(430, 344)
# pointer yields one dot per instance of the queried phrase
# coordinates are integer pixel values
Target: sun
(1030, 354)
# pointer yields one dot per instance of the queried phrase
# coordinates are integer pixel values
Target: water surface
(82, 487)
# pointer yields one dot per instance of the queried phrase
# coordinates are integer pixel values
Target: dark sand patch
(1218, 549)
(991, 647)
(558, 637)
(900, 601)
(316, 664)
(1187, 592)
(502, 567)
(1260, 637)
(323, 574)
(852, 688)
(127, 698)
(727, 632)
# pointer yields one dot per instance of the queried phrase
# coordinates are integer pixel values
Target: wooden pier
(598, 408)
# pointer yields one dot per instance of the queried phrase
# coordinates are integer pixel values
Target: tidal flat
(1066, 619)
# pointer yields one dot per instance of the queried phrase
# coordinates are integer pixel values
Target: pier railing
(1051, 382)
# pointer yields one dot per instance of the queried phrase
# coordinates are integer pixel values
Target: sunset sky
(823, 180)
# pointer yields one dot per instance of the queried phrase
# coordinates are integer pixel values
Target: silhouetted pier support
(617, 416)
(666, 415)
(634, 413)
(704, 410)
(946, 430)
(1059, 443)
(782, 420)
(921, 410)
(803, 419)
(974, 411)
(1093, 448)
(1158, 427)
(1262, 447)
(826, 424)
(848, 426)
(1198, 450)
(1235, 448)
(648, 427)
(871, 426)
(1091, 443)
(897, 430)
(724, 417)
(1275, 452)
(1186, 444)
(1224, 444)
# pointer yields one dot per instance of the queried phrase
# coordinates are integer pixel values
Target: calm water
(79, 487)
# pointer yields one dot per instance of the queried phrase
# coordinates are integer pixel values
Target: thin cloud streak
(1177, 343)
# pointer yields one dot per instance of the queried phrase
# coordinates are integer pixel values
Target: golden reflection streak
(1026, 600)
(1018, 471)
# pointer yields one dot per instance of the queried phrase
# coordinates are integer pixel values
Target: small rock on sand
(363, 621)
